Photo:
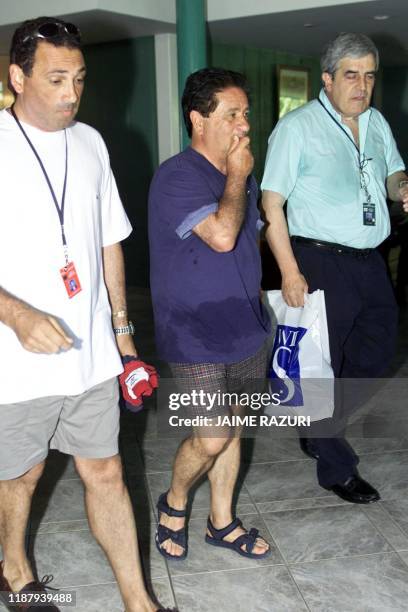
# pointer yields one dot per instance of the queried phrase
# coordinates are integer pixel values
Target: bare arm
(37, 331)
(294, 284)
(114, 275)
(220, 229)
(394, 191)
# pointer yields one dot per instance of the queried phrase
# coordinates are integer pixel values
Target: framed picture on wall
(293, 88)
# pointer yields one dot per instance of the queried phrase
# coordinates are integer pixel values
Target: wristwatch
(126, 329)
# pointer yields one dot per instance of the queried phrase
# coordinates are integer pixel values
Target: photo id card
(369, 213)
(71, 280)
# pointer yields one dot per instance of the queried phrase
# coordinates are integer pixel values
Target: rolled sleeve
(185, 228)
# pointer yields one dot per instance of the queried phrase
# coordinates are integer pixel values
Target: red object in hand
(137, 379)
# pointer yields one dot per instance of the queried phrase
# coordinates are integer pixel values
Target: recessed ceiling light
(381, 17)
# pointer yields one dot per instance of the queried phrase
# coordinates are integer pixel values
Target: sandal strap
(178, 537)
(249, 539)
(219, 534)
(163, 506)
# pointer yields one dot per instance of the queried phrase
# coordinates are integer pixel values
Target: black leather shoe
(355, 490)
(307, 446)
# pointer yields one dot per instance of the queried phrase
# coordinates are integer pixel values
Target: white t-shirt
(31, 256)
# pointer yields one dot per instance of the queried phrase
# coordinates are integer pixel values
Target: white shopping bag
(300, 369)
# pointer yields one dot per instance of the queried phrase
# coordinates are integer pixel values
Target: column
(191, 45)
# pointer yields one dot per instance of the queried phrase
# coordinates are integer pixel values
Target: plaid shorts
(219, 379)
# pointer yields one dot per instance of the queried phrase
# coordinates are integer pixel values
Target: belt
(332, 246)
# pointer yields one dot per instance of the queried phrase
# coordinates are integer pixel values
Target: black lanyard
(342, 129)
(60, 209)
(361, 162)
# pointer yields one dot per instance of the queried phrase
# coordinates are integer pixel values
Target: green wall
(260, 66)
(120, 101)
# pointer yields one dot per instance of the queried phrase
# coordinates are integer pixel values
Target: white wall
(167, 98)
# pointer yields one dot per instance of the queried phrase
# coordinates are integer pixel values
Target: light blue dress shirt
(315, 167)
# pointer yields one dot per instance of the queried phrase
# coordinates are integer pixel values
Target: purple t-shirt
(206, 304)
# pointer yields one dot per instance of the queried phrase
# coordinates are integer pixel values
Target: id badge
(369, 213)
(71, 281)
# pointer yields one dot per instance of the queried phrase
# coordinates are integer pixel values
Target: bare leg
(15, 504)
(112, 523)
(223, 477)
(219, 457)
(194, 458)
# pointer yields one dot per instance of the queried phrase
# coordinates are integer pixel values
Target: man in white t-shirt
(62, 297)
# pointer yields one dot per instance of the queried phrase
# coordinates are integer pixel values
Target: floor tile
(64, 502)
(404, 556)
(74, 558)
(366, 445)
(375, 583)
(277, 481)
(263, 449)
(203, 557)
(388, 472)
(387, 522)
(95, 598)
(158, 453)
(265, 589)
(58, 526)
(390, 400)
(324, 533)
(296, 504)
(398, 510)
(106, 597)
(160, 590)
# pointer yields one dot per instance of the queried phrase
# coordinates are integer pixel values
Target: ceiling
(287, 32)
(284, 31)
(100, 26)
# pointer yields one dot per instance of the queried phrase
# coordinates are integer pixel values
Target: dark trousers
(362, 323)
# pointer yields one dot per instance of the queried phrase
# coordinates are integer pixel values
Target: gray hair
(347, 45)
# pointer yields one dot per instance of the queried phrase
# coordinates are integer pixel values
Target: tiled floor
(327, 555)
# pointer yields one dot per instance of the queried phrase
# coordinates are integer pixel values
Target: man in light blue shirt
(335, 162)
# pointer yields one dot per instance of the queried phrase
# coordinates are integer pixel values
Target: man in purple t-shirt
(205, 280)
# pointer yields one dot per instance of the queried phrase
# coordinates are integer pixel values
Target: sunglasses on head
(51, 30)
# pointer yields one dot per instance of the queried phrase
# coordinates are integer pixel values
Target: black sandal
(163, 533)
(248, 539)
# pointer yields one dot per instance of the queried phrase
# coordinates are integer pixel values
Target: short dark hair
(24, 43)
(201, 88)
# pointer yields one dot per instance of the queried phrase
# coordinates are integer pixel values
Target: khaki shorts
(85, 425)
